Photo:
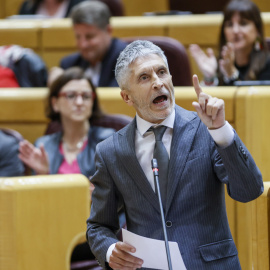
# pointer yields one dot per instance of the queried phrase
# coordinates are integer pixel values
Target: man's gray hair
(92, 13)
(138, 48)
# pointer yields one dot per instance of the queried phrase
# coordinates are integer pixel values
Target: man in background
(98, 51)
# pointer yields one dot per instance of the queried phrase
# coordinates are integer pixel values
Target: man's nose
(83, 43)
(157, 82)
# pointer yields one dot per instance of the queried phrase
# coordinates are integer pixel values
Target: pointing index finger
(196, 85)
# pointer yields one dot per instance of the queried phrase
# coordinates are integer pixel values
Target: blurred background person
(98, 51)
(62, 8)
(243, 53)
(21, 67)
(10, 164)
(48, 8)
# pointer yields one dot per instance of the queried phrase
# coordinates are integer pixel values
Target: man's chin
(161, 115)
(87, 57)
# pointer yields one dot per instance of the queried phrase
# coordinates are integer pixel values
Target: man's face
(149, 89)
(92, 42)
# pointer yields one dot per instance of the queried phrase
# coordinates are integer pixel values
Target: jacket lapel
(125, 149)
(185, 126)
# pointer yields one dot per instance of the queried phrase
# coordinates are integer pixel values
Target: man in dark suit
(205, 154)
(98, 51)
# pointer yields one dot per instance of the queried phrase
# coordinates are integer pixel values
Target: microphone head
(154, 163)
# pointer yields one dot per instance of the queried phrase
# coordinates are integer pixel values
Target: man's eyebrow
(162, 67)
(143, 72)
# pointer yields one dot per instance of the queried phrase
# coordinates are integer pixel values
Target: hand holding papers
(153, 252)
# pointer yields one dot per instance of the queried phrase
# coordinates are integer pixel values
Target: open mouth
(160, 99)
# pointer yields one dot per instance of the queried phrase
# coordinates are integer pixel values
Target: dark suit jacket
(107, 78)
(30, 8)
(195, 203)
(10, 164)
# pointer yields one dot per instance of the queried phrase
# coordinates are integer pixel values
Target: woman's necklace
(77, 147)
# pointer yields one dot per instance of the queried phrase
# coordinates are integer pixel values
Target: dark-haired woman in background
(73, 102)
(243, 53)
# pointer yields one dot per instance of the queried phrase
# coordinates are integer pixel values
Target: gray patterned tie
(161, 154)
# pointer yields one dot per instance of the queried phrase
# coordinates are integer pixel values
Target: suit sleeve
(235, 167)
(103, 221)
(10, 164)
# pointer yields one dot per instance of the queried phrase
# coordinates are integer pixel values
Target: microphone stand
(155, 172)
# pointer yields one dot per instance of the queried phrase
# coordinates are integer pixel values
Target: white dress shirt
(145, 143)
(94, 73)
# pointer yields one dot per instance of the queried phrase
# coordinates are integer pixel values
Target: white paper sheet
(153, 252)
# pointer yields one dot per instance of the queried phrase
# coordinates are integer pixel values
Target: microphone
(154, 164)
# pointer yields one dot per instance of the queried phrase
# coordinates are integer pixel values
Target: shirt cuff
(223, 136)
(109, 252)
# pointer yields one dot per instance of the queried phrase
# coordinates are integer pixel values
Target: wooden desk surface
(25, 33)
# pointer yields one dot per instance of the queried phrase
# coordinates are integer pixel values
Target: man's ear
(55, 104)
(126, 97)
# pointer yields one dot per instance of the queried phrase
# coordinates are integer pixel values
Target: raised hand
(210, 109)
(207, 63)
(226, 63)
(121, 259)
(33, 157)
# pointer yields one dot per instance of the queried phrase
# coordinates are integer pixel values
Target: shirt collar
(143, 125)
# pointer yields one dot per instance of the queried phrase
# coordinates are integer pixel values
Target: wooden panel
(44, 216)
(138, 7)
(21, 32)
(252, 118)
(264, 5)
(195, 29)
(52, 57)
(23, 105)
(111, 102)
(24, 110)
(266, 20)
(253, 104)
(57, 33)
(2, 9)
(12, 7)
(260, 230)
